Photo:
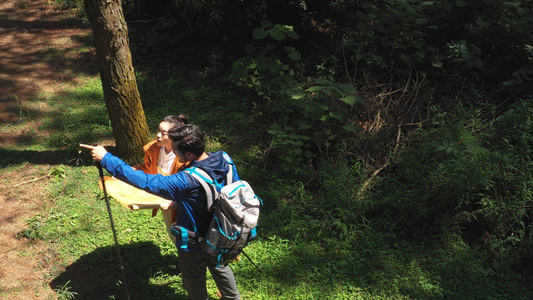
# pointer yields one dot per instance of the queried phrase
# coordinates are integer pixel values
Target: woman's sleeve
(145, 167)
(149, 152)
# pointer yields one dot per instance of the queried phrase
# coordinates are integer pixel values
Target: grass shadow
(97, 274)
(49, 157)
(70, 157)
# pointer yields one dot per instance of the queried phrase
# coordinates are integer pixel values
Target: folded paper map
(129, 196)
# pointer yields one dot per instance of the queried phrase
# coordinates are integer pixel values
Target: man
(187, 193)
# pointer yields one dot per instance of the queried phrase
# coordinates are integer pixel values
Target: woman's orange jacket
(152, 156)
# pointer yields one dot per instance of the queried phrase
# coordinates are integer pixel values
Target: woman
(160, 159)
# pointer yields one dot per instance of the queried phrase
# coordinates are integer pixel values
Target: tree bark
(121, 95)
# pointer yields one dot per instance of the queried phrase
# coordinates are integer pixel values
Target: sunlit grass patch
(78, 114)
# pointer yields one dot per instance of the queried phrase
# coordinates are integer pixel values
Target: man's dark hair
(188, 138)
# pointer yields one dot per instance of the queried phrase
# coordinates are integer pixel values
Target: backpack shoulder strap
(229, 176)
(207, 184)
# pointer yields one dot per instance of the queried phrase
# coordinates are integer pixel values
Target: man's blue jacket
(180, 187)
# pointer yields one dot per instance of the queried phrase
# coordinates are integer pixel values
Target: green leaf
(259, 33)
(293, 35)
(348, 88)
(437, 64)
(302, 125)
(333, 89)
(512, 4)
(510, 82)
(349, 127)
(240, 72)
(266, 24)
(323, 81)
(315, 88)
(295, 55)
(274, 128)
(276, 34)
(350, 100)
(339, 114)
(275, 66)
(297, 96)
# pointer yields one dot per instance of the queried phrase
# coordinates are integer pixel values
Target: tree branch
(21, 183)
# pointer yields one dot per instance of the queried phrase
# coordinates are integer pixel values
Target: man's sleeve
(166, 186)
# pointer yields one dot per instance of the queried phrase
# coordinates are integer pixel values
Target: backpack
(235, 210)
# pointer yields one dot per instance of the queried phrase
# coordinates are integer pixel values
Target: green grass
(311, 246)
(78, 226)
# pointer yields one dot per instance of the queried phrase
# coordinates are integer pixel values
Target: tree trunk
(122, 97)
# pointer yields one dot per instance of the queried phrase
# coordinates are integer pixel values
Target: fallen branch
(367, 182)
(359, 194)
(43, 177)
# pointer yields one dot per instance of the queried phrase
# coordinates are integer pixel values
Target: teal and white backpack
(235, 210)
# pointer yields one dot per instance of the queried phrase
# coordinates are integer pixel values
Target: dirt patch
(24, 260)
(42, 48)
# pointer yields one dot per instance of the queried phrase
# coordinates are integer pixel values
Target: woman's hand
(97, 152)
(170, 205)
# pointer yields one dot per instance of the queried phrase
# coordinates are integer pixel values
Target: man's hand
(97, 152)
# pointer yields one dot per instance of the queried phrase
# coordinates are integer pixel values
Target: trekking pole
(121, 265)
(246, 255)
